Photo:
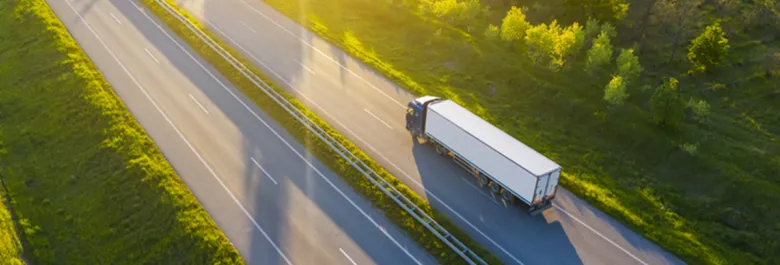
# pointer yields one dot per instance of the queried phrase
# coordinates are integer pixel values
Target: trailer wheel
(494, 187)
(507, 196)
(484, 180)
(441, 150)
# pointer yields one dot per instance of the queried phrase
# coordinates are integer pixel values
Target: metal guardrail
(411, 208)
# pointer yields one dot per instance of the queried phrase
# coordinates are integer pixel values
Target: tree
(708, 49)
(666, 104)
(540, 42)
(628, 65)
(615, 91)
(700, 109)
(603, 10)
(492, 32)
(678, 20)
(599, 54)
(553, 45)
(514, 25)
(592, 28)
(452, 11)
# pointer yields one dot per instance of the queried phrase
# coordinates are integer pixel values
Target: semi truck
(510, 169)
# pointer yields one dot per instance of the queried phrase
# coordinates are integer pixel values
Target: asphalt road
(275, 203)
(369, 110)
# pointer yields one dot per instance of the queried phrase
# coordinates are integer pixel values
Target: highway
(369, 110)
(275, 203)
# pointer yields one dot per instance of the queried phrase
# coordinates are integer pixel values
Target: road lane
(341, 89)
(293, 210)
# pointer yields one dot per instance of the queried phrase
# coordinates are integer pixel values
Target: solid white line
(599, 234)
(302, 157)
(377, 118)
(491, 199)
(345, 255)
(403, 106)
(248, 27)
(199, 105)
(115, 19)
(304, 66)
(409, 177)
(325, 55)
(151, 55)
(263, 169)
(213, 174)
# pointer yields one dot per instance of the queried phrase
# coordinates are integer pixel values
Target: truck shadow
(507, 230)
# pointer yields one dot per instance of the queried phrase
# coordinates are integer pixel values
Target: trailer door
(541, 187)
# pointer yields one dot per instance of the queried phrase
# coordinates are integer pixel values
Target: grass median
(84, 180)
(343, 168)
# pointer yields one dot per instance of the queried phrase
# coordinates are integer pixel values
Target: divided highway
(369, 110)
(275, 203)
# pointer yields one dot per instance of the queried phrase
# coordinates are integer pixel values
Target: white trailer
(508, 167)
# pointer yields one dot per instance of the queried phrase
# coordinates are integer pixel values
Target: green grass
(11, 250)
(321, 151)
(615, 159)
(86, 183)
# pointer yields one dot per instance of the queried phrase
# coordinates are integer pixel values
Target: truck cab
(415, 113)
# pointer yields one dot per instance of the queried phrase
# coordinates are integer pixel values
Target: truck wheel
(441, 150)
(494, 187)
(484, 180)
(507, 196)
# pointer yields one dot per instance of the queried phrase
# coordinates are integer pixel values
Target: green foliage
(628, 64)
(603, 10)
(343, 168)
(452, 11)
(514, 25)
(86, 183)
(708, 49)
(599, 54)
(666, 104)
(615, 91)
(492, 32)
(700, 108)
(592, 28)
(609, 29)
(551, 45)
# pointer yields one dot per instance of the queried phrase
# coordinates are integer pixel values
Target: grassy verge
(11, 250)
(615, 159)
(363, 186)
(86, 183)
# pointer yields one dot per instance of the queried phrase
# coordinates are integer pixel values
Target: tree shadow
(300, 213)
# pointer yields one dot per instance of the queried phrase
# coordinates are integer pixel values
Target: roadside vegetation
(84, 182)
(663, 113)
(322, 151)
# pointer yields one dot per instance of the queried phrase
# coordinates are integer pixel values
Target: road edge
(416, 231)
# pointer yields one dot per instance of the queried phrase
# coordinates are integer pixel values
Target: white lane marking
(325, 55)
(371, 147)
(404, 106)
(377, 118)
(263, 169)
(302, 157)
(597, 233)
(213, 174)
(115, 18)
(151, 55)
(304, 66)
(481, 192)
(199, 105)
(345, 255)
(248, 27)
